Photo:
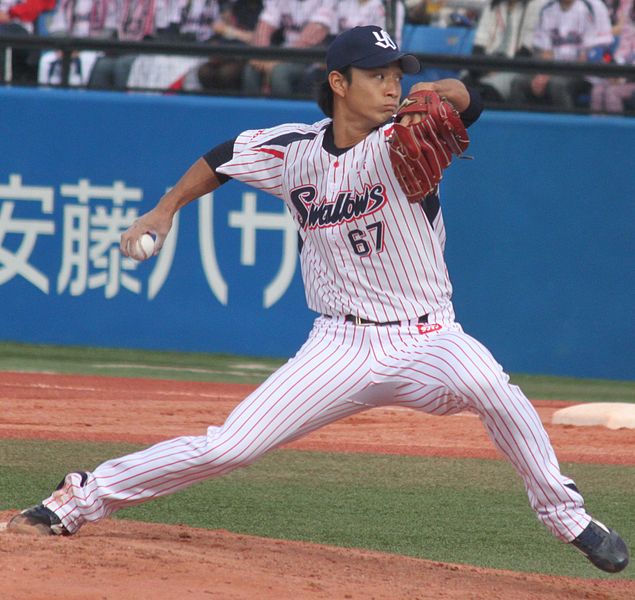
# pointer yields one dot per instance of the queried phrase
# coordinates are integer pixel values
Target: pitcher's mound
(614, 415)
(128, 560)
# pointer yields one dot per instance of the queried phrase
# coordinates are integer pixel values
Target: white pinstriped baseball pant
(343, 369)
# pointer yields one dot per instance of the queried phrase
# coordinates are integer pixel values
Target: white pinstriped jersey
(366, 250)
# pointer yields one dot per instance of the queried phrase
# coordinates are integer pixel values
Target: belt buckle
(361, 322)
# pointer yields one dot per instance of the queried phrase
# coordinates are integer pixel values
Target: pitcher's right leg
(310, 391)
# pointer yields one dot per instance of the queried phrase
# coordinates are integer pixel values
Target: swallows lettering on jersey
(347, 205)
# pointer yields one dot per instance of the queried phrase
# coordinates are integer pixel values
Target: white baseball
(145, 246)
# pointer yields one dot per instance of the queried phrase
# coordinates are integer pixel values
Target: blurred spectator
(136, 20)
(301, 24)
(505, 28)
(238, 20)
(210, 22)
(567, 31)
(613, 7)
(197, 18)
(424, 12)
(354, 13)
(609, 95)
(82, 19)
(349, 14)
(18, 18)
(219, 20)
(444, 13)
(236, 26)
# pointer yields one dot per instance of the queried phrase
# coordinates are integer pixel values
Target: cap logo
(384, 40)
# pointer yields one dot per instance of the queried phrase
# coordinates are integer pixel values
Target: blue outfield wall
(541, 228)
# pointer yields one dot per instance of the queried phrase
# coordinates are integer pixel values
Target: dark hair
(325, 93)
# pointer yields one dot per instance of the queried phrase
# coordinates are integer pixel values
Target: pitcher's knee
(486, 392)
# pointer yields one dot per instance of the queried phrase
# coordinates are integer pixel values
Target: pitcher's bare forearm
(198, 180)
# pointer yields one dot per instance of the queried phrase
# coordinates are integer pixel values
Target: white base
(614, 415)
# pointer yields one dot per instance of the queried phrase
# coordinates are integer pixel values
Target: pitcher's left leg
(459, 372)
(447, 371)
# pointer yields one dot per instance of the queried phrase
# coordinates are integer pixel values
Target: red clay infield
(120, 560)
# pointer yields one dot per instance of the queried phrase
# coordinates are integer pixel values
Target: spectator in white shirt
(506, 29)
(303, 24)
(567, 30)
(136, 20)
(81, 19)
(349, 14)
(357, 13)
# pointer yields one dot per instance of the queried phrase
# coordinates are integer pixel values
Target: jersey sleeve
(220, 155)
(257, 160)
(259, 155)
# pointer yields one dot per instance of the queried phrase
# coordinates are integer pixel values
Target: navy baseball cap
(367, 47)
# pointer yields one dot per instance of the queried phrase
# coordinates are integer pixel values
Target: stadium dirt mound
(121, 560)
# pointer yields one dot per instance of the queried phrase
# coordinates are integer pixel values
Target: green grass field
(467, 511)
(222, 367)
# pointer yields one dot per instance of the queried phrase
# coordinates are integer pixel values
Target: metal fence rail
(311, 55)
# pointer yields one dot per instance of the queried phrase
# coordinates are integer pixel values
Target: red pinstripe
(341, 370)
(509, 439)
(157, 460)
(408, 241)
(502, 435)
(524, 411)
(406, 279)
(272, 151)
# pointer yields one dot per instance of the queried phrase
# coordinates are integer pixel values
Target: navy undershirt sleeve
(474, 109)
(218, 156)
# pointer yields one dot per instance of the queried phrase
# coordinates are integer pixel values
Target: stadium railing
(452, 62)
